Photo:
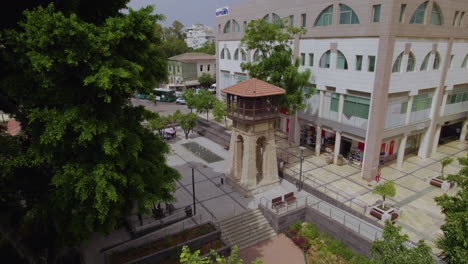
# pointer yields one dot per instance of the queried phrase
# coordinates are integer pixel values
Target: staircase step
(239, 236)
(257, 221)
(255, 241)
(244, 215)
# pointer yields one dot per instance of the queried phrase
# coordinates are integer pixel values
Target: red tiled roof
(254, 88)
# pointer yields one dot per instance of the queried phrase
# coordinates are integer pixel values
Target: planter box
(383, 215)
(443, 184)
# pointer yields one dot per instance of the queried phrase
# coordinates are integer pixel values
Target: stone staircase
(213, 132)
(246, 229)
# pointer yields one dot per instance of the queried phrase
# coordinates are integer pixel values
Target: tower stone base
(253, 165)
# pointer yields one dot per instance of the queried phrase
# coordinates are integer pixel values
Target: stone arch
(260, 157)
(239, 157)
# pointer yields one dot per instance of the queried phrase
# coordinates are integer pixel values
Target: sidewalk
(275, 250)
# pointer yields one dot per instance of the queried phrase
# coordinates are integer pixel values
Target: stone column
(320, 109)
(337, 147)
(318, 140)
(401, 151)
(464, 131)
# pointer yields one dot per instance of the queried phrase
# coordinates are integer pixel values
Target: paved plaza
(421, 217)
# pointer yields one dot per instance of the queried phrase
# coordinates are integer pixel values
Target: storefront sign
(392, 147)
(223, 11)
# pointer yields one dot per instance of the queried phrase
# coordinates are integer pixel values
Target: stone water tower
(253, 106)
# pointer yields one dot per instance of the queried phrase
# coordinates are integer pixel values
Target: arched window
(325, 18)
(347, 15)
(235, 26)
(436, 61)
(425, 63)
(244, 55)
(222, 54)
(411, 62)
(236, 54)
(277, 20)
(418, 16)
(256, 56)
(465, 62)
(267, 18)
(436, 15)
(325, 60)
(341, 62)
(227, 27)
(397, 63)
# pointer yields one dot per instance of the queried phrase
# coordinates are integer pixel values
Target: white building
(391, 75)
(198, 34)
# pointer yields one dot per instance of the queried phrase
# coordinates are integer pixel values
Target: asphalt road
(162, 108)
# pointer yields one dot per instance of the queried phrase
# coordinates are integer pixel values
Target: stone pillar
(444, 104)
(401, 151)
(320, 110)
(464, 131)
(318, 140)
(408, 110)
(337, 147)
(435, 143)
(340, 108)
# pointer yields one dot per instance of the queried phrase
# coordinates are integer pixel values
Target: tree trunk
(383, 202)
(207, 115)
(225, 121)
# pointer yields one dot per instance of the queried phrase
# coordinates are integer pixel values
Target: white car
(180, 101)
(212, 88)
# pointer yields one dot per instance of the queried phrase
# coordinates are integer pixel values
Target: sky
(186, 11)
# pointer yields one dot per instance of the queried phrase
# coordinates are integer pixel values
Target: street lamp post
(193, 191)
(300, 169)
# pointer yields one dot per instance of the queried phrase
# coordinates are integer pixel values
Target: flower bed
(321, 248)
(160, 244)
(204, 249)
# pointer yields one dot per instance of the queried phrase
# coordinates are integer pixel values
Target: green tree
(204, 102)
(208, 48)
(188, 122)
(190, 99)
(391, 249)
(84, 159)
(444, 162)
(273, 45)
(173, 39)
(187, 257)
(175, 118)
(159, 123)
(220, 111)
(454, 242)
(386, 189)
(206, 80)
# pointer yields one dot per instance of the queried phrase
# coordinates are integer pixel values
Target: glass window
(302, 59)
(436, 15)
(455, 17)
(436, 61)
(421, 102)
(425, 62)
(465, 62)
(411, 62)
(461, 19)
(201, 67)
(236, 54)
(277, 21)
(256, 56)
(208, 67)
(222, 54)
(371, 63)
(358, 62)
(376, 13)
(291, 20)
(402, 12)
(325, 60)
(245, 25)
(404, 107)
(335, 98)
(311, 59)
(227, 27)
(303, 20)
(451, 60)
(267, 18)
(418, 16)
(347, 15)
(397, 63)
(236, 27)
(356, 106)
(341, 62)
(325, 18)
(244, 55)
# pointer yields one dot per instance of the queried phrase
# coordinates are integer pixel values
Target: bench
(376, 213)
(289, 197)
(277, 202)
(436, 182)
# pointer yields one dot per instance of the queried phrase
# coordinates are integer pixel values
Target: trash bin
(188, 211)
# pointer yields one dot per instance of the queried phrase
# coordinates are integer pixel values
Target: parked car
(180, 101)
(212, 88)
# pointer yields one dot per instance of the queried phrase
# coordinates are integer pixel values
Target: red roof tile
(254, 88)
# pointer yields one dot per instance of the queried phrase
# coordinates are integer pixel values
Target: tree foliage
(444, 163)
(391, 249)
(84, 159)
(204, 102)
(206, 80)
(159, 123)
(187, 257)
(220, 111)
(173, 39)
(208, 48)
(188, 122)
(190, 98)
(386, 189)
(454, 242)
(273, 45)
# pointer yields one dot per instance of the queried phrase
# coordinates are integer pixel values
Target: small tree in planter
(220, 111)
(444, 162)
(158, 123)
(386, 189)
(188, 123)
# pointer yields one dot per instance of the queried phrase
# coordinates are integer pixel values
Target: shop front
(450, 131)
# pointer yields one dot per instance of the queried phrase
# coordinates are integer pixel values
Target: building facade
(199, 34)
(391, 75)
(185, 69)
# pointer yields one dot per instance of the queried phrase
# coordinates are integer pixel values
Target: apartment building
(391, 75)
(184, 69)
(199, 34)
